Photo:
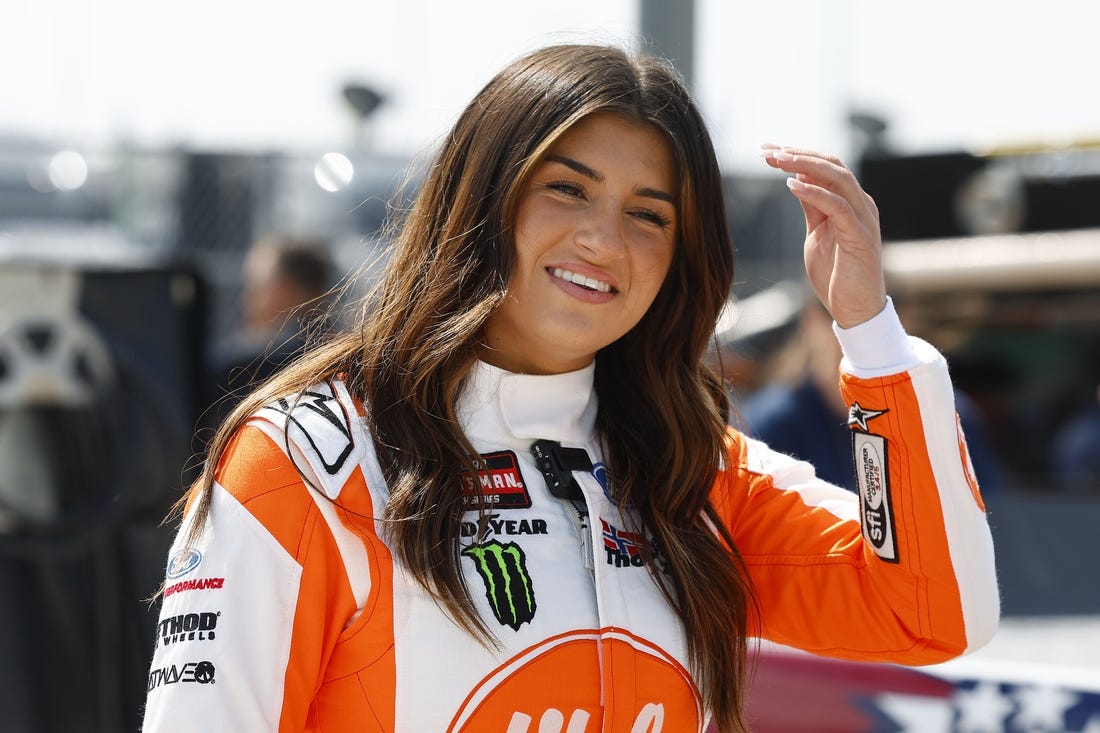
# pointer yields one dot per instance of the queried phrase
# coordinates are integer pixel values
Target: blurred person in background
(509, 499)
(800, 411)
(286, 285)
(749, 338)
(1075, 450)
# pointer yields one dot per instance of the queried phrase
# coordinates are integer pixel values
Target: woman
(508, 500)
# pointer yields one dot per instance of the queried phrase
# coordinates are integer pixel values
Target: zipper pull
(584, 528)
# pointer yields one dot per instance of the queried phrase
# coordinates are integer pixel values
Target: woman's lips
(584, 281)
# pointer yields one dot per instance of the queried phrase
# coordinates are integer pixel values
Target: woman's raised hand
(843, 250)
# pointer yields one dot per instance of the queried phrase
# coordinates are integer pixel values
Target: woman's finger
(849, 226)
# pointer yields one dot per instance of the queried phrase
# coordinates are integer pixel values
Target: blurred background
(145, 148)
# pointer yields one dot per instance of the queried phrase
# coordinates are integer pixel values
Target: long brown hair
(420, 332)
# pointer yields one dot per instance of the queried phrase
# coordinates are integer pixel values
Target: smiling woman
(508, 499)
(595, 235)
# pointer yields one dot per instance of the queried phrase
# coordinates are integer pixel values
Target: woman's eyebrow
(578, 166)
(656, 193)
(587, 172)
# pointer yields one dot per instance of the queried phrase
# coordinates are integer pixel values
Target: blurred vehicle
(795, 692)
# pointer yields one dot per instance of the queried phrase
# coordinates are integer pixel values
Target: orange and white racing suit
(290, 613)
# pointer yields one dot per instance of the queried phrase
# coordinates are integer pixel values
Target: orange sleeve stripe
(919, 519)
(262, 477)
(819, 584)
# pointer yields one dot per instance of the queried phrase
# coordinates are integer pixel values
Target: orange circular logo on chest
(557, 687)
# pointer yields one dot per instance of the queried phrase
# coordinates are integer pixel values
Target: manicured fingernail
(795, 185)
(783, 157)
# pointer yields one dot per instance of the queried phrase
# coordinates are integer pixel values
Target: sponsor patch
(201, 673)
(489, 525)
(873, 480)
(515, 697)
(183, 562)
(314, 412)
(508, 587)
(623, 548)
(496, 484)
(859, 416)
(194, 584)
(188, 627)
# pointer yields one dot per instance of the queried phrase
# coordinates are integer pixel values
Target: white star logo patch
(859, 416)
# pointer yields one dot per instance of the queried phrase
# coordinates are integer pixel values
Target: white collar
(503, 407)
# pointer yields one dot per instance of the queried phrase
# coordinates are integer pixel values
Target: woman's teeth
(584, 282)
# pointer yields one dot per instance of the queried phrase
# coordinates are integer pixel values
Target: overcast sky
(231, 74)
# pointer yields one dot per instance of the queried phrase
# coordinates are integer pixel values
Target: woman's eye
(652, 217)
(567, 188)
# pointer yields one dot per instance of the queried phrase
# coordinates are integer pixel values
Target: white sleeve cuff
(878, 346)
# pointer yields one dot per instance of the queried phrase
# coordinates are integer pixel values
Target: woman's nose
(601, 232)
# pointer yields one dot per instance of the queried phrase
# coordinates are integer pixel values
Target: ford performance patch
(873, 480)
(497, 484)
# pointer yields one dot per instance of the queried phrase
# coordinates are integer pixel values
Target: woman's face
(595, 233)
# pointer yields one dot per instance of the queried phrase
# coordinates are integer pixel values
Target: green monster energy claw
(508, 588)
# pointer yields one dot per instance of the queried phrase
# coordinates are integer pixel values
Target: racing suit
(290, 613)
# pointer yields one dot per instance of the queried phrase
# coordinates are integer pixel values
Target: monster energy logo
(503, 568)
